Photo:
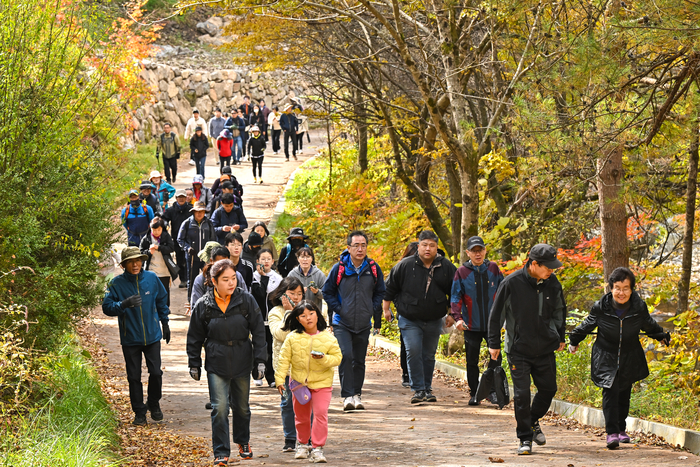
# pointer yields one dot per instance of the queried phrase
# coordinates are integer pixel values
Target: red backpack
(341, 271)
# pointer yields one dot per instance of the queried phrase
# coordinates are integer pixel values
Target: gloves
(261, 371)
(129, 302)
(166, 332)
(196, 373)
(166, 197)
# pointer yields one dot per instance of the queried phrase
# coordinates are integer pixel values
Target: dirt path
(391, 432)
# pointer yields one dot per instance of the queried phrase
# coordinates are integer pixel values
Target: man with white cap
(139, 300)
(531, 304)
(290, 125)
(164, 191)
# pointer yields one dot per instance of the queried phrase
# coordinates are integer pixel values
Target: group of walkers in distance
(283, 321)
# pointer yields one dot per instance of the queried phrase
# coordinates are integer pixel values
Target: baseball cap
(545, 255)
(179, 193)
(474, 242)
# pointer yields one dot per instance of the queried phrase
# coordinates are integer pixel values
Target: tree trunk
(470, 207)
(361, 132)
(613, 214)
(687, 264)
(455, 199)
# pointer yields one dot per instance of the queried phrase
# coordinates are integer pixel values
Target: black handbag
(173, 268)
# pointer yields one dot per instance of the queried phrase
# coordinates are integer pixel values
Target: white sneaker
(258, 382)
(302, 451)
(358, 402)
(191, 162)
(317, 456)
(349, 403)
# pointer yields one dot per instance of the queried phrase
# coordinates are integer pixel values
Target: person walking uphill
(617, 357)
(194, 234)
(256, 151)
(290, 126)
(354, 291)
(312, 352)
(176, 214)
(136, 218)
(228, 324)
(139, 301)
(420, 286)
(531, 304)
(168, 144)
(288, 255)
(199, 144)
(473, 290)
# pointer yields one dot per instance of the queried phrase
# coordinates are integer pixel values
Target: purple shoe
(613, 441)
(624, 437)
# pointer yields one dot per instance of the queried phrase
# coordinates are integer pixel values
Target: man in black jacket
(176, 215)
(199, 144)
(194, 233)
(531, 304)
(420, 285)
(290, 125)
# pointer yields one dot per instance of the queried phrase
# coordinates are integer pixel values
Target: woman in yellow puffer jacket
(312, 352)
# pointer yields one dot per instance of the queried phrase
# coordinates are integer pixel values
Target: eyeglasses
(359, 246)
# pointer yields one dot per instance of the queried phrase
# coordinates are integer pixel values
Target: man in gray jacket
(354, 291)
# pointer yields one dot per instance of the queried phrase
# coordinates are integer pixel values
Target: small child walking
(312, 352)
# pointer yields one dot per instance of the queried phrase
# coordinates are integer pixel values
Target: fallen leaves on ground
(146, 446)
(496, 460)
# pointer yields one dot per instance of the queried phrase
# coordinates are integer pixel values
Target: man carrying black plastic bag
(531, 304)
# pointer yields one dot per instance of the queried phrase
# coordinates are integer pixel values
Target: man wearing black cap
(473, 290)
(149, 198)
(531, 304)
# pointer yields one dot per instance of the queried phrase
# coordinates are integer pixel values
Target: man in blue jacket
(228, 218)
(139, 301)
(136, 218)
(473, 289)
(354, 291)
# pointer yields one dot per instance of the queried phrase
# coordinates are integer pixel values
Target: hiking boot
(405, 381)
(182, 286)
(295, 157)
(418, 396)
(245, 451)
(156, 413)
(349, 403)
(525, 448)
(537, 435)
(208, 406)
(219, 461)
(289, 446)
(140, 420)
(317, 456)
(624, 437)
(358, 403)
(612, 441)
(473, 401)
(429, 396)
(302, 451)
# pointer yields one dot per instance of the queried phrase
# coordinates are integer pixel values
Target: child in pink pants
(309, 353)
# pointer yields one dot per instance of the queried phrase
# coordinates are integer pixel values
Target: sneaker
(612, 441)
(258, 382)
(156, 413)
(349, 403)
(429, 396)
(261, 181)
(289, 446)
(140, 420)
(255, 180)
(208, 406)
(624, 437)
(302, 451)
(405, 381)
(525, 448)
(295, 157)
(317, 456)
(273, 385)
(538, 436)
(287, 159)
(357, 399)
(474, 401)
(220, 461)
(418, 396)
(191, 162)
(182, 286)
(245, 451)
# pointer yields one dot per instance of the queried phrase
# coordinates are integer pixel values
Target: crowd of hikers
(278, 318)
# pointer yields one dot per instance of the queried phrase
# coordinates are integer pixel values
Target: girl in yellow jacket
(312, 352)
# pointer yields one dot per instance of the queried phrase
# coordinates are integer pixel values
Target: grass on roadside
(73, 427)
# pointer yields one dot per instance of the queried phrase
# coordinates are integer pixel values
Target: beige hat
(199, 206)
(132, 252)
(180, 193)
(287, 107)
(155, 174)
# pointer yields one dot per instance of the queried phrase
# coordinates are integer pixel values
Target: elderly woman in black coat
(617, 357)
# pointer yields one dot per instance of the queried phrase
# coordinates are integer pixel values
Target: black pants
(257, 162)
(472, 345)
(194, 265)
(300, 141)
(276, 140)
(224, 161)
(404, 363)
(166, 283)
(616, 407)
(132, 358)
(181, 263)
(290, 136)
(269, 368)
(543, 370)
(352, 367)
(170, 165)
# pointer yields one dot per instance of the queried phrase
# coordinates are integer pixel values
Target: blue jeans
(223, 391)
(421, 339)
(290, 431)
(199, 164)
(353, 345)
(237, 153)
